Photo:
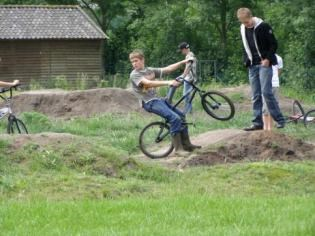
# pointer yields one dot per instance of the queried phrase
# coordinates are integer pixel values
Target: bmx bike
(155, 138)
(15, 125)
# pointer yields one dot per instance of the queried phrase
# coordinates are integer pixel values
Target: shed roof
(47, 22)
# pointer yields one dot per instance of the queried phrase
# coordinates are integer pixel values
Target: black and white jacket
(265, 42)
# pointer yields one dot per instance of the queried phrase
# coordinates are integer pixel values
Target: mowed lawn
(240, 199)
(181, 215)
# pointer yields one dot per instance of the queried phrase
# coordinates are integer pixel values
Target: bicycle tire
(309, 120)
(297, 109)
(16, 126)
(155, 140)
(214, 102)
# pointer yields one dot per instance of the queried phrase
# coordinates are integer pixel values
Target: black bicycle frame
(159, 138)
(194, 91)
(4, 90)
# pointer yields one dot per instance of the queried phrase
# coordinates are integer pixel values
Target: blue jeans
(187, 90)
(173, 116)
(260, 78)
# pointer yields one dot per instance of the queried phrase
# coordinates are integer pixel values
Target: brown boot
(187, 145)
(178, 145)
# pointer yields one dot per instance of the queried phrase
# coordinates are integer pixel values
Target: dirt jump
(68, 104)
(235, 146)
(86, 103)
(252, 147)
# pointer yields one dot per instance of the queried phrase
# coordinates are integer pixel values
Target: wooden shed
(43, 42)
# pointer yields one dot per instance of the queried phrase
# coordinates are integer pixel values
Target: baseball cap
(183, 45)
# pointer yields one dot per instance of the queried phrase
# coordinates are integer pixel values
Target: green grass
(243, 199)
(183, 215)
(305, 97)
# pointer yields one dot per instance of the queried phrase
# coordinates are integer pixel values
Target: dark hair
(183, 45)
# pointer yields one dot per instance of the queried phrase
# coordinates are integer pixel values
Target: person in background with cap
(189, 74)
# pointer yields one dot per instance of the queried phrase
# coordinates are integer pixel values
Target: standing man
(276, 71)
(144, 82)
(260, 46)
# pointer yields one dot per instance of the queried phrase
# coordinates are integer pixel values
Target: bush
(61, 82)
(35, 85)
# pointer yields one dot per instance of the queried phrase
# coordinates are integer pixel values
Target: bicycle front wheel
(16, 126)
(155, 140)
(297, 109)
(309, 120)
(218, 105)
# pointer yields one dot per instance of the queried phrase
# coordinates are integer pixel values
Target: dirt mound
(67, 104)
(57, 150)
(255, 146)
(41, 140)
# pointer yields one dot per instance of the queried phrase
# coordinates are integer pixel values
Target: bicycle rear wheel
(155, 140)
(16, 126)
(309, 120)
(218, 105)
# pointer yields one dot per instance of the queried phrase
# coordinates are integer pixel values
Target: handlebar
(181, 80)
(4, 90)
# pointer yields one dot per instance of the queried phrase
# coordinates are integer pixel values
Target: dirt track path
(205, 139)
(215, 136)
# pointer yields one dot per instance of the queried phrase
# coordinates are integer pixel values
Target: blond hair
(137, 53)
(244, 12)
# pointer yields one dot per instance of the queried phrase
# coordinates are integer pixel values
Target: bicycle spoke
(218, 106)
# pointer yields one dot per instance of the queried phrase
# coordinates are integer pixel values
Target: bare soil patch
(254, 146)
(55, 140)
(68, 104)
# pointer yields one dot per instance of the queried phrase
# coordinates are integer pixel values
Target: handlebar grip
(179, 79)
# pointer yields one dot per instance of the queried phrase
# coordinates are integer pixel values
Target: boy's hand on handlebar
(179, 79)
(15, 82)
(174, 83)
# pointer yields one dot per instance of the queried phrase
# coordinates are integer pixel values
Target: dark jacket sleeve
(273, 45)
